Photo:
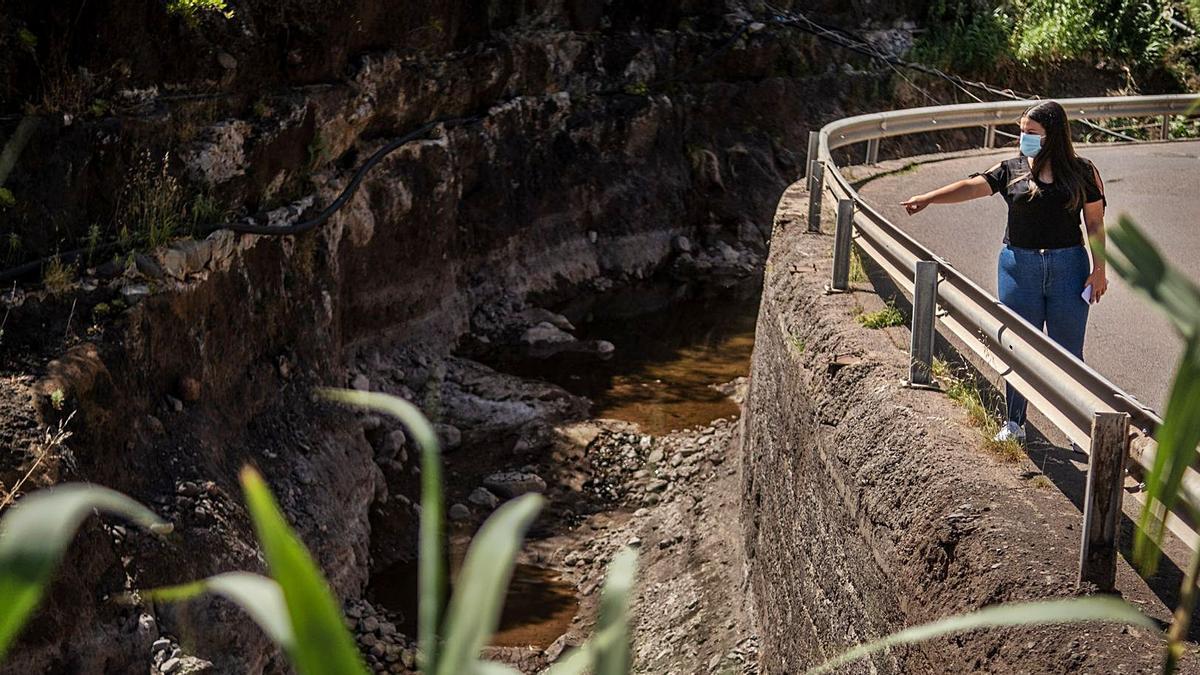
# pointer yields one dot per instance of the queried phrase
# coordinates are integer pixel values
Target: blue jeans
(1043, 287)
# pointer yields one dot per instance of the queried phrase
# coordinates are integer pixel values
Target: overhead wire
(866, 48)
(252, 228)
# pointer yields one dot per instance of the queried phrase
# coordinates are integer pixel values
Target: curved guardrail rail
(1066, 390)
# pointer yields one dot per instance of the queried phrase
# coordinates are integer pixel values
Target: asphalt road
(1158, 184)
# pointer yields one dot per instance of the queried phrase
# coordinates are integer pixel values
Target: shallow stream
(674, 347)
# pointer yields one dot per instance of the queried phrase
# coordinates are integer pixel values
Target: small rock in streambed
(545, 334)
(392, 445)
(449, 436)
(482, 497)
(537, 315)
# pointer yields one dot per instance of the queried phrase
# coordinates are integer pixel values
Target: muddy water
(673, 345)
(538, 608)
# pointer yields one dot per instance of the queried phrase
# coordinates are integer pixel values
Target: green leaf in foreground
(608, 650)
(323, 646)
(474, 611)
(493, 668)
(259, 596)
(1075, 610)
(35, 533)
(1137, 261)
(614, 603)
(431, 576)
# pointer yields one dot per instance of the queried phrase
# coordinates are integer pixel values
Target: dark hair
(1071, 172)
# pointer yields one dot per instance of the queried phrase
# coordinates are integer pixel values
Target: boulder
(545, 334)
(514, 483)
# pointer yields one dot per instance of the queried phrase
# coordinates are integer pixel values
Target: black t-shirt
(1043, 221)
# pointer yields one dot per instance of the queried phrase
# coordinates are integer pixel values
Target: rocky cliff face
(600, 142)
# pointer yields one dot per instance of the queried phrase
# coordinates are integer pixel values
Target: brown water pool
(538, 608)
(673, 345)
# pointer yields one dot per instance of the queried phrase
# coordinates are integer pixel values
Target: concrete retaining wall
(868, 507)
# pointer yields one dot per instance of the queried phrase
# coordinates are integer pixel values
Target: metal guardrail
(1069, 392)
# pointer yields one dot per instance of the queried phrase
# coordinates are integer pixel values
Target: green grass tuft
(1041, 482)
(964, 389)
(797, 343)
(59, 277)
(885, 318)
(858, 273)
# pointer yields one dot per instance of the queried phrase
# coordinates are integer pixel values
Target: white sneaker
(1011, 431)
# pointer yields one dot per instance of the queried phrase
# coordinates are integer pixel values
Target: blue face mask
(1030, 144)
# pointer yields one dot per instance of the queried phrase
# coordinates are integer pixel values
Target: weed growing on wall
(151, 208)
(885, 318)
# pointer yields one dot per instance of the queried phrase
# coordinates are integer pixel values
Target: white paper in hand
(1087, 294)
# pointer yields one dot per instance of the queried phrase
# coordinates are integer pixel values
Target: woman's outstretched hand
(915, 204)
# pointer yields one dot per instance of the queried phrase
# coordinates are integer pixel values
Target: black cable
(245, 228)
(347, 192)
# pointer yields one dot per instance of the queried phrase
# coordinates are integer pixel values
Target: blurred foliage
(986, 35)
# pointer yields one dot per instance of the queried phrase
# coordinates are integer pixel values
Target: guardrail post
(814, 138)
(841, 246)
(873, 151)
(920, 368)
(1166, 127)
(814, 197)
(1102, 500)
(989, 136)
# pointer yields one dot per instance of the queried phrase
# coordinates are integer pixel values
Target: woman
(1043, 273)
